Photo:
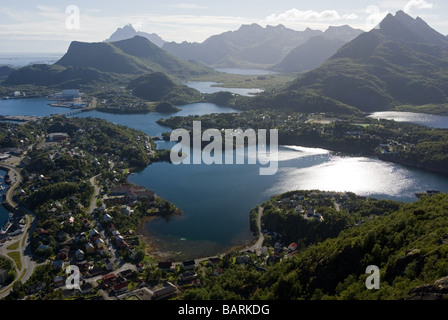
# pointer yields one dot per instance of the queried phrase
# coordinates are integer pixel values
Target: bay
(245, 71)
(29, 107)
(429, 120)
(217, 199)
(208, 87)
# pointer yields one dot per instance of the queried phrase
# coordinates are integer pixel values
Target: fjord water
(217, 199)
(208, 87)
(246, 72)
(433, 121)
(29, 107)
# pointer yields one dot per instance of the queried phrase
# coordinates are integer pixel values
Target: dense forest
(409, 245)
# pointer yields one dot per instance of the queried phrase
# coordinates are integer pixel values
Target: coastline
(151, 247)
(153, 250)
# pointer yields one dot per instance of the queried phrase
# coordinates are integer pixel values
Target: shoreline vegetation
(403, 143)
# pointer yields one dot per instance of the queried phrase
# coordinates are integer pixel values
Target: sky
(37, 26)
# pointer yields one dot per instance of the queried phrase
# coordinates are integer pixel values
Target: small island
(166, 107)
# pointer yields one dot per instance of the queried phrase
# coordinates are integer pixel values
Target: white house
(99, 243)
(79, 255)
(127, 210)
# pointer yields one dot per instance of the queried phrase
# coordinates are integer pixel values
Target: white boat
(6, 228)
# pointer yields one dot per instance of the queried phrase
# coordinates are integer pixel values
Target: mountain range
(130, 56)
(88, 63)
(157, 86)
(309, 55)
(403, 61)
(253, 46)
(128, 32)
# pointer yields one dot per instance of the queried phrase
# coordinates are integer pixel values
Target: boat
(5, 229)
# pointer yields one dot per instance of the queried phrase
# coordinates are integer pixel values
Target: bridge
(92, 106)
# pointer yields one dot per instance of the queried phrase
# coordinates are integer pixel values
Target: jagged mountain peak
(128, 32)
(404, 28)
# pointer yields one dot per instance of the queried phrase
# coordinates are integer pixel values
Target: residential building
(90, 248)
(189, 265)
(165, 266)
(58, 281)
(188, 276)
(109, 278)
(79, 255)
(120, 287)
(243, 259)
(127, 210)
(107, 218)
(57, 137)
(214, 261)
(168, 290)
(58, 265)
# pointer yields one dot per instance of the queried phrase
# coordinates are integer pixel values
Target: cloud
(46, 8)
(417, 4)
(184, 5)
(294, 15)
(350, 16)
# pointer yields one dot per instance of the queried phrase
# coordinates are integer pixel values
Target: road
(96, 193)
(26, 259)
(260, 240)
(23, 239)
(16, 179)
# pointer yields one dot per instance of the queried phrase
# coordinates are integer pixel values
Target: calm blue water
(248, 72)
(147, 122)
(207, 87)
(29, 107)
(433, 121)
(216, 199)
(23, 59)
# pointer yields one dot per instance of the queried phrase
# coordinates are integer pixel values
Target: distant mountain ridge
(317, 49)
(252, 45)
(309, 55)
(89, 63)
(404, 61)
(131, 56)
(128, 32)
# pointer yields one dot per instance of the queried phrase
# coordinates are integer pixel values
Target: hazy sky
(50, 26)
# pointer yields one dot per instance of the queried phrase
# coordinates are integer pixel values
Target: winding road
(27, 264)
